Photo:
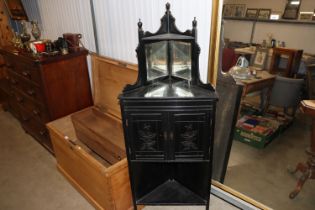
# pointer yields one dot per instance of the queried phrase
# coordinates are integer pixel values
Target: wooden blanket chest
(104, 182)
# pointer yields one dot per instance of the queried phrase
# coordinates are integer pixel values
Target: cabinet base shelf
(171, 192)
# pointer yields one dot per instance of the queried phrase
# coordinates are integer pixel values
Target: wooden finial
(194, 23)
(168, 6)
(140, 24)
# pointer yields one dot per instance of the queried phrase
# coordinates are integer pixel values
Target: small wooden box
(105, 183)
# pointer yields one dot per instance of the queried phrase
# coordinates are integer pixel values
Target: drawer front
(26, 69)
(37, 110)
(29, 89)
(36, 129)
(13, 105)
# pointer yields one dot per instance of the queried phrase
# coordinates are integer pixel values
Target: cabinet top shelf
(310, 22)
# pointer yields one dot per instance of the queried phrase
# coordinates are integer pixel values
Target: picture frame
(251, 13)
(306, 16)
(234, 10)
(292, 9)
(239, 10)
(275, 15)
(264, 14)
(259, 59)
(16, 9)
(228, 10)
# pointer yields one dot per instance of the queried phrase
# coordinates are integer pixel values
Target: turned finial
(168, 6)
(140, 24)
(194, 23)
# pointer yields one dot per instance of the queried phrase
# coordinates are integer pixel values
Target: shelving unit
(310, 22)
(280, 21)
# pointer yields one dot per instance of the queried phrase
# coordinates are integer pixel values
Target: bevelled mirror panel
(181, 57)
(156, 58)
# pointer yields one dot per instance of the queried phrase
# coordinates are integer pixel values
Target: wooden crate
(104, 182)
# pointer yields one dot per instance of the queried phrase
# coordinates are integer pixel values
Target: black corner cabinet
(168, 118)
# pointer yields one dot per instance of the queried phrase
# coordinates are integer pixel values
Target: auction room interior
(143, 104)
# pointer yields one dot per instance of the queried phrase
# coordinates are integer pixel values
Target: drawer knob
(26, 119)
(26, 73)
(36, 112)
(8, 65)
(42, 133)
(13, 81)
(20, 99)
(31, 92)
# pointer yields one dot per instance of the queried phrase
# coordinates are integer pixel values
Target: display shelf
(176, 194)
(310, 22)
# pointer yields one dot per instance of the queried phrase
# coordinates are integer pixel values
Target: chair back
(286, 93)
(310, 81)
(229, 59)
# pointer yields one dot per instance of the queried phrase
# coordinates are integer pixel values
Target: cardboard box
(256, 131)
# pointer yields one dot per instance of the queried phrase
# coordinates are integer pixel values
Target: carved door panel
(147, 133)
(190, 135)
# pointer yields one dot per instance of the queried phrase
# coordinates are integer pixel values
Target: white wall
(295, 35)
(117, 20)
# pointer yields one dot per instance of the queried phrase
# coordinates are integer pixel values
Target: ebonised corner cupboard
(168, 120)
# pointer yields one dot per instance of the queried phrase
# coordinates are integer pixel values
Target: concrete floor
(261, 174)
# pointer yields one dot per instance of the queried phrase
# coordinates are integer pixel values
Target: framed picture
(275, 15)
(251, 13)
(260, 58)
(234, 10)
(16, 9)
(239, 10)
(292, 9)
(228, 10)
(306, 15)
(264, 14)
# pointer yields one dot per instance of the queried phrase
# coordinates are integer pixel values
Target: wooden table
(262, 82)
(308, 168)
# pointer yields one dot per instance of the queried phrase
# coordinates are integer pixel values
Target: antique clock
(168, 119)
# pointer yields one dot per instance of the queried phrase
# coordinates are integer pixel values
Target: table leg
(308, 169)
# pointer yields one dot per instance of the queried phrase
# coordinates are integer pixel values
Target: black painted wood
(168, 125)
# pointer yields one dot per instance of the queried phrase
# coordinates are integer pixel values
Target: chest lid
(109, 77)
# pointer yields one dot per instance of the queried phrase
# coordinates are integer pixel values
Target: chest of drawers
(42, 89)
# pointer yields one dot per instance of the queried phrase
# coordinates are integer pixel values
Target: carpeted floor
(261, 174)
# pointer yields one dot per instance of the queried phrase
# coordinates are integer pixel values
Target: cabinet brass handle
(171, 135)
(26, 119)
(31, 92)
(13, 81)
(20, 99)
(42, 133)
(36, 112)
(26, 73)
(165, 135)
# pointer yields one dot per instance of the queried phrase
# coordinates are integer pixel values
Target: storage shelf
(177, 194)
(310, 22)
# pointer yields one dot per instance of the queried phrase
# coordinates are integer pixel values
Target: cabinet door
(190, 135)
(147, 135)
